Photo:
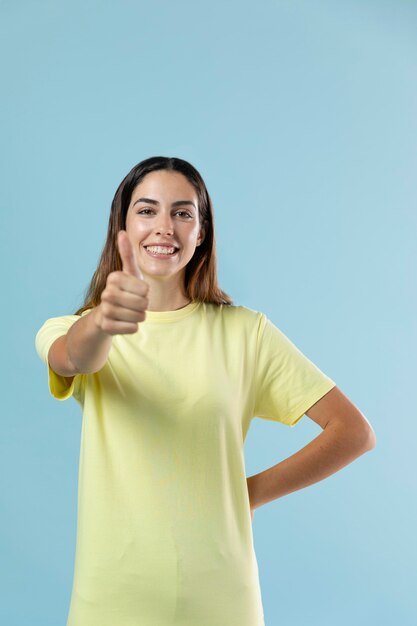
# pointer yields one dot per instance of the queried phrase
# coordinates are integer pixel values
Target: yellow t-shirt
(164, 531)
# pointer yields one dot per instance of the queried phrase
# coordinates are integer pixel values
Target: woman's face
(152, 218)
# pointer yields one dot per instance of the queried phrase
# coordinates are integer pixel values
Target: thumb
(127, 254)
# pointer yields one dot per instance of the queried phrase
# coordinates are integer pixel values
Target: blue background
(301, 118)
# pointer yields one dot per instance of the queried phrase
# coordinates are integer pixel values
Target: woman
(169, 374)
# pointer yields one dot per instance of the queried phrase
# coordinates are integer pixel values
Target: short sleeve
(287, 383)
(60, 387)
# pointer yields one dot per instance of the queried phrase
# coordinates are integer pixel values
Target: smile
(158, 253)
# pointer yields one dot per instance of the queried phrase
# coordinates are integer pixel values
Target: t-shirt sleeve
(287, 383)
(60, 387)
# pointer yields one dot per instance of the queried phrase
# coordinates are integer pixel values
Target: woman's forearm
(327, 453)
(87, 345)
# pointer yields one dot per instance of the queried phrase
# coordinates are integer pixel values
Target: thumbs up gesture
(123, 300)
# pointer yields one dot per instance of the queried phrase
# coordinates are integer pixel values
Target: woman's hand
(123, 300)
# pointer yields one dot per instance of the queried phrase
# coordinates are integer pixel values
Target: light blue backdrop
(301, 118)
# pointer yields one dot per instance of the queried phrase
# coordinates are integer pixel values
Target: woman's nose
(164, 224)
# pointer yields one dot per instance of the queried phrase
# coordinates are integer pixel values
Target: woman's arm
(347, 435)
(83, 350)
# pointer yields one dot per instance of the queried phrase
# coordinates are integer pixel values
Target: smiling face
(164, 209)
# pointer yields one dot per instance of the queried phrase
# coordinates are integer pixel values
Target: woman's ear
(202, 233)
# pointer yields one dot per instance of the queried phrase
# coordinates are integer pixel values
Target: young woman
(169, 373)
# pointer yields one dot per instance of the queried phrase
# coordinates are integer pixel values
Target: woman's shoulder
(236, 313)
(61, 322)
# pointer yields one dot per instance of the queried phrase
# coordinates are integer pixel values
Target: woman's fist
(123, 300)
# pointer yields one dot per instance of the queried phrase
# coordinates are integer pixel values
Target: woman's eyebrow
(177, 203)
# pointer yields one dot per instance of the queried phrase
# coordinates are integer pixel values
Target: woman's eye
(144, 210)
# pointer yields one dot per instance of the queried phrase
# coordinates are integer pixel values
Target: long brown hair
(200, 272)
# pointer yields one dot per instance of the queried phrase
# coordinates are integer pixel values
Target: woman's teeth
(161, 249)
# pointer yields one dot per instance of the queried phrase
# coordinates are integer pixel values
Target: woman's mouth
(161, 252)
